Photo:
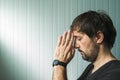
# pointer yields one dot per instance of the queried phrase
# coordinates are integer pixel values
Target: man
(93, 35)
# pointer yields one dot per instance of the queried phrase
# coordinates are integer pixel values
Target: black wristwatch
(57, 62)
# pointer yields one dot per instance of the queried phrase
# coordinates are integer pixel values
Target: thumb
(73, 51)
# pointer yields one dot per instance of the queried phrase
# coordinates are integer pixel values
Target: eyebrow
(77, 36)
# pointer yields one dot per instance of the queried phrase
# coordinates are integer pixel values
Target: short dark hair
(91, 22)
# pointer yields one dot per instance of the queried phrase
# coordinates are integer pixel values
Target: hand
(64, 50)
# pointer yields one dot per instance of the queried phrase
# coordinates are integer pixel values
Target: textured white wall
(29, 30)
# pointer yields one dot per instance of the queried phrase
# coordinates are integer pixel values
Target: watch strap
(57, 62)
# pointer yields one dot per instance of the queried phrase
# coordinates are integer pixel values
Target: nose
(76, 44)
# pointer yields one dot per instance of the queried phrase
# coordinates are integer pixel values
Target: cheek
(86, 46)
(83, 46)
(84, 43)
(91, 49)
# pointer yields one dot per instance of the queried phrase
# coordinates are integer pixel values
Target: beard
(90, 55)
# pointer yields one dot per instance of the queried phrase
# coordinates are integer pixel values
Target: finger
(73, 50)
(64, 38)
(71, 40)
(69, 46)
(59, 40)
(68, 38)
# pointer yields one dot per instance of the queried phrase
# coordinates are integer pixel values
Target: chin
(89, 59)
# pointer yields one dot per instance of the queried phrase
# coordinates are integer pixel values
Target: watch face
(56, 62)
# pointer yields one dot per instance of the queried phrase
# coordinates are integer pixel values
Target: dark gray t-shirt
(109, 71)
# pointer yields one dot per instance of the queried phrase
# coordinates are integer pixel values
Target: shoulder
(112, 71)
(113, 66)
(109, 71)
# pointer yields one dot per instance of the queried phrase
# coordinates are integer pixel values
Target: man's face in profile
(87, 46)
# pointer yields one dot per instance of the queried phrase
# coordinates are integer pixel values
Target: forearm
(59, 73)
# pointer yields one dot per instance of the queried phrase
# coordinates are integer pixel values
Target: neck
(103, 57)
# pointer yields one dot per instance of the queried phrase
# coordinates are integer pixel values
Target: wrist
(59, 67)
(59, 73)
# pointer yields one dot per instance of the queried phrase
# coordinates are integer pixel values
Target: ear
(99, 37)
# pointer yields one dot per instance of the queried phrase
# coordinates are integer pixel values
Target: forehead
(81, 35)
(77, 33)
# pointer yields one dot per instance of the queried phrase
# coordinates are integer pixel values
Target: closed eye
(79, 39)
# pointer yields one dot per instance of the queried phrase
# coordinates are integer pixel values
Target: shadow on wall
(7, 67)
(4, 72)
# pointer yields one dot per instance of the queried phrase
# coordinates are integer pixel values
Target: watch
(57, 62)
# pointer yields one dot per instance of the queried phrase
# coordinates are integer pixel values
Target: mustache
(82, 50)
